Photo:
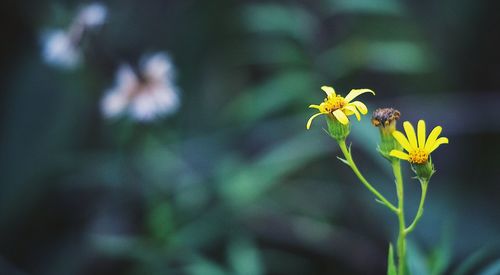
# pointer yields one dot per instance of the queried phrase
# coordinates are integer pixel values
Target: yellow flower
(339, 106)
(418, 153)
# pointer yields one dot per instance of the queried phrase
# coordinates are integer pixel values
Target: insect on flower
(146, 95)
(340, 107)
(419, 149)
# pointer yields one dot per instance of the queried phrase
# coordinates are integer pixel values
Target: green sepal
(336, 129)
(387, 144)
(384, 154)
(425, 171)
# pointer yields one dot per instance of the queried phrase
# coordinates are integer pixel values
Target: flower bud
(336, 129)
(385, 119)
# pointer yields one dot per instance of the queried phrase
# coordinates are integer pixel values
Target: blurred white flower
(61, 48)
(92, 15)
(144, 97)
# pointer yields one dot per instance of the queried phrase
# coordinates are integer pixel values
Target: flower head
(340, 107)
(418, 147)
(385, 116)
(145, 96)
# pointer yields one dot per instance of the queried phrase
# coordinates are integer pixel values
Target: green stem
(401, 244)
(350, 161)
(420, 211)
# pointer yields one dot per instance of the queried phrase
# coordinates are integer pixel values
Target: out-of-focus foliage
(233, 183)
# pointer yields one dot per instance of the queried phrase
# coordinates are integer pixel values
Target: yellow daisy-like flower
(418, 152)
(339, 106)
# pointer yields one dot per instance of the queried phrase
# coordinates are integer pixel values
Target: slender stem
(348, 157)
(420, 211)
(401, 244)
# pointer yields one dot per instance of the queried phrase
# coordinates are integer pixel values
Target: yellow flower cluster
(418, 148)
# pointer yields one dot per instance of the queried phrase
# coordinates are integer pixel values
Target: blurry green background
(233, 183)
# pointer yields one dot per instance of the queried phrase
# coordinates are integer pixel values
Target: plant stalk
(401, 243)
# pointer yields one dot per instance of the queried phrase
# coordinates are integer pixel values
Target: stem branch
(348, 157)
(420, 211)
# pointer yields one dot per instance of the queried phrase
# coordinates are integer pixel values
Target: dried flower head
(385, 119)
(146, 95)
(385, 116)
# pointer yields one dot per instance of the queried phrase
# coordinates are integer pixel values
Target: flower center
(333, 103)
(418, 156)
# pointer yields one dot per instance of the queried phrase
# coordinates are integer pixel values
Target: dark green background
(233, 183)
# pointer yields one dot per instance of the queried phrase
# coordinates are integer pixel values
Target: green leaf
(205, 267)
(344, 161)
(161, 221)
(440, 256)
(383, 7)
(381, 202)
(416, 259)
(286, 20)
(387, 56)
(391, 267)
(276, 94)
(246, 183)
(244, 257)
(476, 258)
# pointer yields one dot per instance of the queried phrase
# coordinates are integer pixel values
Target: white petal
(117, 99)
(113, 104)
(126, 79)
(93, 15)
(166, 99)
(143, 107)
(157, 67)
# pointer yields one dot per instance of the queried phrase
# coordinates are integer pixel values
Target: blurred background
(230, 182)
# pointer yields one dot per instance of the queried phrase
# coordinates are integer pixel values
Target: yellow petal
(432, 137)
(421, 134)
(410, 133)
(311, 120)
(314, 106)
(361, 107)
(352, 110)
(340, 116)
(402, 140)
(438, 142)
(356, 92)
(328, 90)
(398, 154)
